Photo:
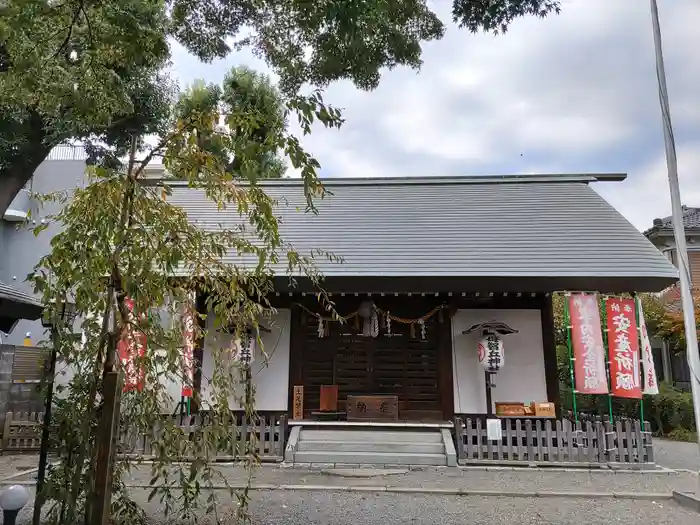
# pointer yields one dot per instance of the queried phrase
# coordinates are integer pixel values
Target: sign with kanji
(372, 408)
(244, 349)
(650, 385)
(587, 342)
(130, 348)
(490, 352)
(188, 337)
(623, 348)
(298, 402)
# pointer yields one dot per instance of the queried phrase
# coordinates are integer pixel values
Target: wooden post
(106, 443)
(459, 437)
(489, 398)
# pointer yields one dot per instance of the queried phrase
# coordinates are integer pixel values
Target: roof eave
(157, 176)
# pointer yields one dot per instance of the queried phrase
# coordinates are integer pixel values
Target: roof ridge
(423, 180)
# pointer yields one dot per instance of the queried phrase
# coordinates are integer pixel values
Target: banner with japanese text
(650, 385)
(130, 348)
(623, 347)
(188, 337)
(587, 342)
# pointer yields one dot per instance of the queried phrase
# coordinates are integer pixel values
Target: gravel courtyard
(310, 507)
(330, 508)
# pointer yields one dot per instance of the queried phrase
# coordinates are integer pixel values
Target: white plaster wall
(169, 403)
(522, 377)
(270, 374)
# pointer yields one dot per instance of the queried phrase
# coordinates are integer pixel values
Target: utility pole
(691, 336)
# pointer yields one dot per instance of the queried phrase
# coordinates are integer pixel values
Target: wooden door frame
(445, 371)
(444, 350)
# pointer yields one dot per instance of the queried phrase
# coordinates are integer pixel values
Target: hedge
(670, 413)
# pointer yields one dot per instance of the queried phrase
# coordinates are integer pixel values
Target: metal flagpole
(567, 322)
(691, 336)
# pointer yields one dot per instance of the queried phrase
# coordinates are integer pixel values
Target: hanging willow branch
(121, 241)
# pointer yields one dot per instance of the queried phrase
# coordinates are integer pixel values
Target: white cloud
(646, 194)
(571, 93)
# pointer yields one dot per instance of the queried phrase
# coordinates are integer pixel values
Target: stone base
(687, 499)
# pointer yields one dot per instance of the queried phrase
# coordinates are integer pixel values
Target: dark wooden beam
(198, 354)
(445, 378)
(296, 354)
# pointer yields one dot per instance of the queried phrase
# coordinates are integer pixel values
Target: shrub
(670, 413)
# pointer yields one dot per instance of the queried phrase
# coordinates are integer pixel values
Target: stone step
(364, 446)
(371, 436)
(369, 458)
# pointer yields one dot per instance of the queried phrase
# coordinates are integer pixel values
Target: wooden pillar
(549, 348)
(296, 354)
(445, 379)
(666, 367)
(198, 354)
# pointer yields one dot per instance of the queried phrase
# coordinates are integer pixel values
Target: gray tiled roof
(691, 219)
(12, 294)
(15, 305)
(537, 226)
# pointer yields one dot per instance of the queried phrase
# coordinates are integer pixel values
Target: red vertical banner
(587, 342)
(623, 346)
(188, 337)
(130, 348)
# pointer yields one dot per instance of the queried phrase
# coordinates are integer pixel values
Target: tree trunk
(19, 168)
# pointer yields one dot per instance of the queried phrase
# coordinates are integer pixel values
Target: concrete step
(370, 458)
(371, 436)
(364, 446)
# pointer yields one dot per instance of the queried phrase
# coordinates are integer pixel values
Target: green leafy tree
(122, 240)
(91, 70)
(244, 92)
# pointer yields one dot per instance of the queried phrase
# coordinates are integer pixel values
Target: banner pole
(639, 344)
(607, 356)
(567, 321)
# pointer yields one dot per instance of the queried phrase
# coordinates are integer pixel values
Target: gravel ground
(676, 454)
(13, 463)
(326, 508)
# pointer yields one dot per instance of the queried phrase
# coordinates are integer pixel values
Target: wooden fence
(21, 432)
(560, 441)
(267, 435)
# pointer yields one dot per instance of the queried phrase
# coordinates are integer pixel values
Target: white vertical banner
(649, 386)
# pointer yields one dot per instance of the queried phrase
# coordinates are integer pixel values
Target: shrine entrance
(402, 359)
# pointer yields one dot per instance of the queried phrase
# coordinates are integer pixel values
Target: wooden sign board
(298, 402)
(329, 398)
(383, 408)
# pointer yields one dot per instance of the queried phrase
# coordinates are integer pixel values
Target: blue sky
(568, 94)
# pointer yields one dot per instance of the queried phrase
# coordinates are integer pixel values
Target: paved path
(13, 463)
(455, 479)
(514, 480)
(328, 508)
(677, 454)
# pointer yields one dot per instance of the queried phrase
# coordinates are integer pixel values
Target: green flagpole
(639, 357)
(567, 321)
(607, 356)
